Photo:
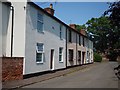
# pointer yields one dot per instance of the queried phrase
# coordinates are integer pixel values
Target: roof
(7, 3)
(58, 20)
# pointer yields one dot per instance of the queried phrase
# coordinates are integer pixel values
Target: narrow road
(97, 76)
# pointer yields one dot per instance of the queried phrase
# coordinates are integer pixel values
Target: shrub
(97, 57)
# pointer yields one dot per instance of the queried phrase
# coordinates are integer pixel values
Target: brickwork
(12, 68)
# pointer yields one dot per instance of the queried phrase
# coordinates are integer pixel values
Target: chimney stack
(50, 9)
(83, 32)
(73, 26)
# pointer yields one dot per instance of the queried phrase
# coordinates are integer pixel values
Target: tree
(99, 27)
(114, 10)
(114, 16)
(79, 27)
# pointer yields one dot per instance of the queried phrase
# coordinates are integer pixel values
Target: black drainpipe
(12, 8)
(66, 47)
(76, 49)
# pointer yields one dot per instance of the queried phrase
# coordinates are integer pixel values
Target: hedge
(97, 57)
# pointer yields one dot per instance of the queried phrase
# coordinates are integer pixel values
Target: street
(97, 76)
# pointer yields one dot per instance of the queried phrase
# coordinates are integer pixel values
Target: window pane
(39, 26)
(60, 50)
(60, 53)
(60, 31)
(39, 57)
(60, 57)
(40, 17)
(40, 46)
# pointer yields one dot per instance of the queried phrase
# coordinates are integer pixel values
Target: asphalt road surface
(97, 76)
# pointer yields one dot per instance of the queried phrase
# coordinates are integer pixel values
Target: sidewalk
(32, 80)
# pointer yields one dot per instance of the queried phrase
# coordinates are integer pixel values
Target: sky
(76, 12)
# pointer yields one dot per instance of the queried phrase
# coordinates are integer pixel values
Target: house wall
(18, 30)
(72, 45)
(5, 19)
(91, 51)
(49, 37)
(80, 48)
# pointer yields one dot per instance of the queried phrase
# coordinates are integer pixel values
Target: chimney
(73, 26)
(83, 32)
(50, 9)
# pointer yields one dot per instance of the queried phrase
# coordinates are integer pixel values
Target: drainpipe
(66, 47)
(76, 50)
(12, 8)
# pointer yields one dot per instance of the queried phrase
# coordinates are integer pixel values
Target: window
(60, 31)
(40, 22)
(70, 36)
(70, 55)
(83, 41)
(39, 53)
(79, 55)
(79, 40)
(60, 54)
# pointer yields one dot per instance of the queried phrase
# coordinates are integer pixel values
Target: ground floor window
(60, 54)
(70, 55)
(39, 52)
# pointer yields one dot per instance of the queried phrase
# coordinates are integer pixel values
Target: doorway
(51, 59)
(83, 57)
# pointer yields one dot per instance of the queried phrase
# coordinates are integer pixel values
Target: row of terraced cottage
(35, 41)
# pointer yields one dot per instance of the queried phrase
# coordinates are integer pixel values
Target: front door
(51, 59)
(83, 57)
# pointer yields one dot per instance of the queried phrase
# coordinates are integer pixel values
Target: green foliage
(114, 10)
(97, 57)
(100, 28)
(79, 27)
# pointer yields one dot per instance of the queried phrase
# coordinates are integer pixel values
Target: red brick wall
(12, 68)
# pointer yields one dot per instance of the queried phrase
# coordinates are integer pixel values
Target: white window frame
(40, 21)
(61, 54)
(39, 52)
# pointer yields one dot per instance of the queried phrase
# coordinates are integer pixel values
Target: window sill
(60, 61)
(41, 32)
(39, 62)
(61, 38)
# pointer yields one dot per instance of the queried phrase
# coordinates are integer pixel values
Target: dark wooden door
(51, 58)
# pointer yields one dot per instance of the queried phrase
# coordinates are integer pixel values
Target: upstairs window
(79, 40)
(39, 52)
(70, 36)
(83, 41)
(60, 54)
(61, 32)
(39, 22)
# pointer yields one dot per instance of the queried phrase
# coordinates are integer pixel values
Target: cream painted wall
(73, 47)
(49, 37)
(0, 29)
(19, 30)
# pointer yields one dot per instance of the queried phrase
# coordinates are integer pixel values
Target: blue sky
(77, 12)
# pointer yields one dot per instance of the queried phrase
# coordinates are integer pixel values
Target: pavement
(29, 81)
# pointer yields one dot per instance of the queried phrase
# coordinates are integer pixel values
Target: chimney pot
(50, 9)
(73, 26)
(51, 6)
